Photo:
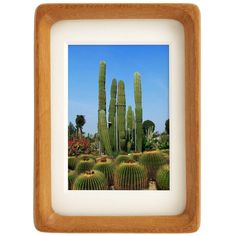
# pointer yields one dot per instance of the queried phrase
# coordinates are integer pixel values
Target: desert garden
(126, 153)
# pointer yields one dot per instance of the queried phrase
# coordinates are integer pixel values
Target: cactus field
(125, 150)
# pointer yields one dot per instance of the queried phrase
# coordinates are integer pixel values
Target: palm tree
(80, 121)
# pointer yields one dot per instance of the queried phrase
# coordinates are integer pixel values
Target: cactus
(71, 178)
(123, 158)
(84, 165)
(130, 175)
(112, 115)
(138, 111)
(72, 162)
(101, 95)
(84, 156)
(91, 180)
(136, 155)
(129, 128)
(121, 110)
(163, 177)
(152, 161)
(104, 132)
(106, 166)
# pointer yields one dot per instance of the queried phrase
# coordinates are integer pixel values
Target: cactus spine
(121, 110)
(104, 132)
(130, 176)
(163, 178)
(101, 95)
(84, 165)
(90, 180)
(112, 115)
(71, 178)
(138, 111)
(72, 162)
(106, 166)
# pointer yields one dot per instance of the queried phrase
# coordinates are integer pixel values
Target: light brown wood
(44, 216)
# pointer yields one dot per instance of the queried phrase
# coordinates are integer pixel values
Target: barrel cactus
(91, 180)
(152, 161)
(130, 175)
(123, 158)
(106, 166)
(72, 162)
(84, 156)
(136, 155)
(163, 177)
(71, 178)
(84, 165)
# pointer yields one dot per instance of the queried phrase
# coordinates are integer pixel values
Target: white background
(218, 117)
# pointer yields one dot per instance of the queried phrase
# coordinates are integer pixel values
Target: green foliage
(163, 177)
(72, 162)
(150, 140)
(130, 175)
(112, 114)
(167, 126)
(121, 110)
(123, 158)
(91, 180)
(163, 141)
(106, 166)
(84, 165)
(152, 161)
(138, 111)
(71, 131)
(148, 126)
(71, 178)
(80, 121)
(104, 133)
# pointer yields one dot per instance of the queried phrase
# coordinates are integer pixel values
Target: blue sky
(151, 61)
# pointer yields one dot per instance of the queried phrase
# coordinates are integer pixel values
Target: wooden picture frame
(44, 217)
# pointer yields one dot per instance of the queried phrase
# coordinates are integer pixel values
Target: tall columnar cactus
(129, 128)
(130, 176)
(106, 166)
(121, 110)
(104, 132)
(138, 111)
(152, 161)
(163, 177)
(101, 93)
(112, 114)
(91, 180)
(84, 165)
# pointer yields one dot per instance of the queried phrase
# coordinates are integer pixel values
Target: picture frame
(44, 216)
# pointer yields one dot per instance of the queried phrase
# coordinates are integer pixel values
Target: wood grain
(44, 217)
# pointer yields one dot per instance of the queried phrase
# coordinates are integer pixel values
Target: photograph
(118, 117)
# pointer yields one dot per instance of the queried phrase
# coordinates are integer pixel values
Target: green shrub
(71, 178)
(91, 180)
(84, 165)
(106, 166)
(130, 175)
(72, 162)
(152, 161)
(122, 158)
(163, 178)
